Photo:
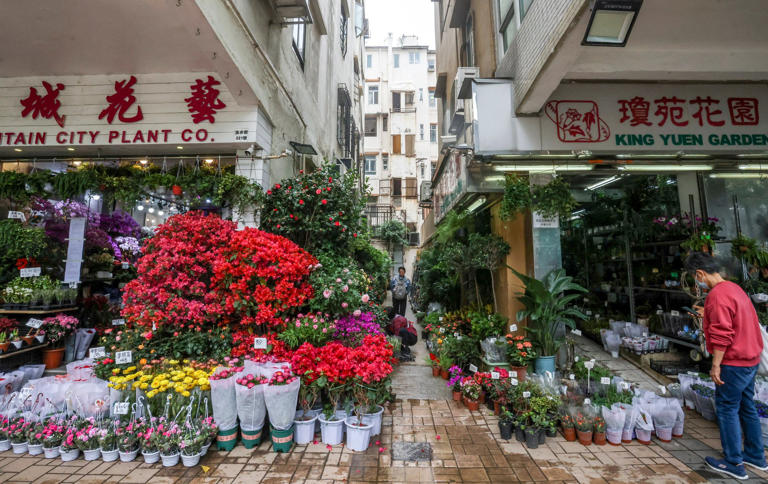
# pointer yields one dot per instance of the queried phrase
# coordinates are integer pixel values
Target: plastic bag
(80, 369)
(281, 403)
(13, 381)
(614, 423)
(83, 339)
(494, 352)
(32, 372)
(612, 343)
(251, 408)
(224, 403)
(91, 398)
(629, 420)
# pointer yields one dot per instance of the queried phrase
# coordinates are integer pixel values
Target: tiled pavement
(466, 448)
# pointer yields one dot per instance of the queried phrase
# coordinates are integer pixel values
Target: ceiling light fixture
(17, 149)
(143, 162)
(602, 183)
(611, 22)
(667, 167)
(476, 204)
(739, 175)
(544, 168)
(754, 167)
(179, 147)
(70, 149)
(209, 161)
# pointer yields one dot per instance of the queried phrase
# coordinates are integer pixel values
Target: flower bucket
(506, 430)
(358, 434)
(545, 364)
(305, 430)
(282, 440)
(128, 456)
(190, 460)
(585, 438)
(570, 434)
(52, 358)
(599, 438)
(250, 438)
(332, 431)
(643, 436)
(109, 455)
(92, 454)
(375, 420)
(170, 460)
(613, 437)
(532, 440)
(665, 435)
(19, 448)
(5, 445)
(226, 439)
(51, 452)
(69, 455)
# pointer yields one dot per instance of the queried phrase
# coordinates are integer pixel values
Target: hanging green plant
(70, 184)
(553, 199)
(517, 197)
(12, 185)
(238, 192)
(38, 182)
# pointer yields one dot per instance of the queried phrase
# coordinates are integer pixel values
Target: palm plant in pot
(548, 310)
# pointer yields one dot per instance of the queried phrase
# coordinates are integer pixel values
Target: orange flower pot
(457, 396)
(472, 405)
(444, 374)
(435, 371)
(570, 434)
(52, 358)
(522, 372)
(585, 438)
(599, 438)
(496, 408)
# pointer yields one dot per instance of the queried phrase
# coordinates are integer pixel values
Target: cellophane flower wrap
(249, 393)
(281, 395)
(223, 397)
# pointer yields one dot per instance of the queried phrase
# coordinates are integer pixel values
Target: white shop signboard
(125, 110)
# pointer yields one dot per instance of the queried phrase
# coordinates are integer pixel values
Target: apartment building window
(468, 45)
(395, 102)
(409, 98)
(414, 58)
(396, 144)
(396, 60)
(431, 65)
(370, 165)
(384, 122)
(432, 101)
(421, 132)
(370, 125)
(385, 162)
(433, 133)
(524, 6)
(397, 187)
(508, 27)
(385, 186)
(299, 41)
(410, 145)
(373, 95)
(410, 188)
(343, 29)
(369, 61)
(421, 94)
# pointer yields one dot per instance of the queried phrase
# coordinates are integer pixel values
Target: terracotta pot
(472, 405)
(52, 358)
(457, 396)
(599, 438)
(435, 371)
(522, 372)
(585, 438)
(482, 398)
(444, 374)
(496, 408)
(569, 433)
(4, 346)
(28, 339)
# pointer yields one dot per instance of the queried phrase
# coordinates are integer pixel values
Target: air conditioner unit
(413, 239)
(425, 191)
(464, 77)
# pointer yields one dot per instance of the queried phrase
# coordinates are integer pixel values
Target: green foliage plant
(517, 197)
(553, 199)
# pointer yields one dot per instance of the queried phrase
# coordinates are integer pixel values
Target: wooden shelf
(37, 311)
(11, 353)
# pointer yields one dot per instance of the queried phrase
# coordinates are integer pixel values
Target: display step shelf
(11, 353)
(38, 311)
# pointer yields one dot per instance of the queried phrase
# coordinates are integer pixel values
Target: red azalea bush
(174, 286)
(371, 362)
(261, 275)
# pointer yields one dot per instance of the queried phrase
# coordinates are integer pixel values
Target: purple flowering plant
(454, 382)
(352, 328)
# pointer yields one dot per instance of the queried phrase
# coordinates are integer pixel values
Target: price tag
(458, 337)
(589, 365)
(25, 393)
(624, 385)
(659, 312)
(34, 323)
(493, 340)
(628, 325)
(121, 408)
(577, 332)
(576, 359)
(122, 357)
(99, 352)
(442, 330)
(674, 313)
(513, 374)
(526, 394)
(571, 376)
(118, 322)
(473, 368)
(73, 285)
(29, 272)
(645, 333)
(260, 343)
(663, 389)
(495, 375)
(512, 328)
(605, 380)
(17, 215)
(693, 373)
(589, 313)
(125, 265)
(456, 334)
(587, 401)
(38, 213)
(513, 381)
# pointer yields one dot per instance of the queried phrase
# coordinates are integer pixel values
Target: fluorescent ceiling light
(544, 168)
(611, 22)
(602, 183)
(739, 175)
(754, 167)
(493, 179)
(667, 167)
(476, 204)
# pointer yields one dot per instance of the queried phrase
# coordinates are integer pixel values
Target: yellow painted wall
(516, 233)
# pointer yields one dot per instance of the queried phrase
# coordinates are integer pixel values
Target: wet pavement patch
(412, 451)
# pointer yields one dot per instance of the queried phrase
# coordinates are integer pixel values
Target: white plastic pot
(304, 430)
(128, 456)
(5, 445)
(69, 455)
(151, 457)
(190, 460)
(332, 431)
(51, 452)
(358, 434)
(19, 448)
(205, 448)
(35, 449)
(374, 419)
(109, 455)
(92, 454)
(170, 460)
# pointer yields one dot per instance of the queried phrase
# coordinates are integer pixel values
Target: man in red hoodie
(733, 337)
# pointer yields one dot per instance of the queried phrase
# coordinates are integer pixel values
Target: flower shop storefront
(138, 318)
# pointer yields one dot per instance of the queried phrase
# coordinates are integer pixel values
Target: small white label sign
(121, 408)
(512, 328)
(624, 385)
(587, 401)
(571, 376)
(589, 365)
(260, 343)
(125, 265)
(605, 380)
(526, 394)
(122, 357)
(663, 389)
(34, 323)
(118, 322)
(495, 375)
(577, 332)
(513, 374)
(17, 215)
(576, 358)
(29, 272)
(25, 393)
(659, 312)
(473, 368)
(513, 381)
(442, 330)
(98, 352)
(541, 222)
(456, 334)
(674, 313)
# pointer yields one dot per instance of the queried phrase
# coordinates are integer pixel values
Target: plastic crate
(669, 367)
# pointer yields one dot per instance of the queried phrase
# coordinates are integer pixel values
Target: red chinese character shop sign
(204, 101)
(655, 117)
(46, 105)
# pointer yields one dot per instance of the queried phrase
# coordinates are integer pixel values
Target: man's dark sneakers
(761, 467)
(720, 465)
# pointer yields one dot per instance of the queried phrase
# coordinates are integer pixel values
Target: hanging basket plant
(517, 197)
(553, 199)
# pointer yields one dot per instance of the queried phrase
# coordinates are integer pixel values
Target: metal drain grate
(412, 451)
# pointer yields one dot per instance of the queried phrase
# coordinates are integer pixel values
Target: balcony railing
(405, 109)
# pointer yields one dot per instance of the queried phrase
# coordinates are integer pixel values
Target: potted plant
(5, 442)
(599, 431)
(108, 443)
(584, 425)
(53, 434)
(358, 432)
(148, 436)
(569, 430)
(332, 424)
(521, 422)
(304, 423)
(445, 365)
(520, 353)
(434, 363)
(454, 382)
(506, 424)
(68, 451)
(547, 308)
(378, 393)
(127, 442)
(35, 438)
(29, 338)
(87, 440)
(168, 440)
(4, 343)
(531, 432)
(470, 389)
(15, 340)
(56, 328)
(191, 446)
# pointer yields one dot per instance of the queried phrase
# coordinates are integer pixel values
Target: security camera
(249, 151)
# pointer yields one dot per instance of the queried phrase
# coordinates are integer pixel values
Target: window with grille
(433, 133)
(299, 41)
(384, 120)
(410, 188)
(385, 162)
(421, 132)
(369, 61)
(343, 30)
(397, 187)
(432, 102)
(385, 187)
(370, 125)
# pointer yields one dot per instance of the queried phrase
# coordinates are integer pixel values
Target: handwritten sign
(34, 323)
(98, 352)
(473, 368)
(495, 375)
(73, 285)
(118, 322)
(29, 272)
(605, 380)
(122, 357)
(513, 374)
(260, 343)
(17, 215)
(589, 365)
(121, 408)
(512, 328)
(526, 394)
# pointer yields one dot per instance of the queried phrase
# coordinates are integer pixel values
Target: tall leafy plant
(548, 308)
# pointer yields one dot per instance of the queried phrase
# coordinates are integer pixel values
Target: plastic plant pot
(519, 434)
(109, 455)
(570, 434)
(358, 434)
(532, 439)
(542, 433)
(305, 430)
(35, 449)
(332, 431)
(613, 437)
(190, 460)
(69, 455)
(665, 435)
(585, 438)
(51, 452)
(643, 436)
(282, 440)
(149, 457)
(128, 456)
(251, 438)
(599, 438)
(92, 454)
(375, 419)
(457, 396)
(506, 430)
(170, 460)
(20, 448)
(226, 439)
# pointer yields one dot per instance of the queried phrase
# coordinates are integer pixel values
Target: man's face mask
(701, 284)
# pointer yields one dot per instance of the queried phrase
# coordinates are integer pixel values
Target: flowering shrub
(53, 433)
(259, 276)
(470, 388)
(353, 328)
(339, 286)
(520, 351)
(313, 328)
(35, 433)
(108, 439)
(126, 437)
(167, 438)
(87, 438)
(56, 328)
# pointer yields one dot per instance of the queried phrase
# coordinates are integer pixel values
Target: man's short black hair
(400, 268)
(701, 261)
